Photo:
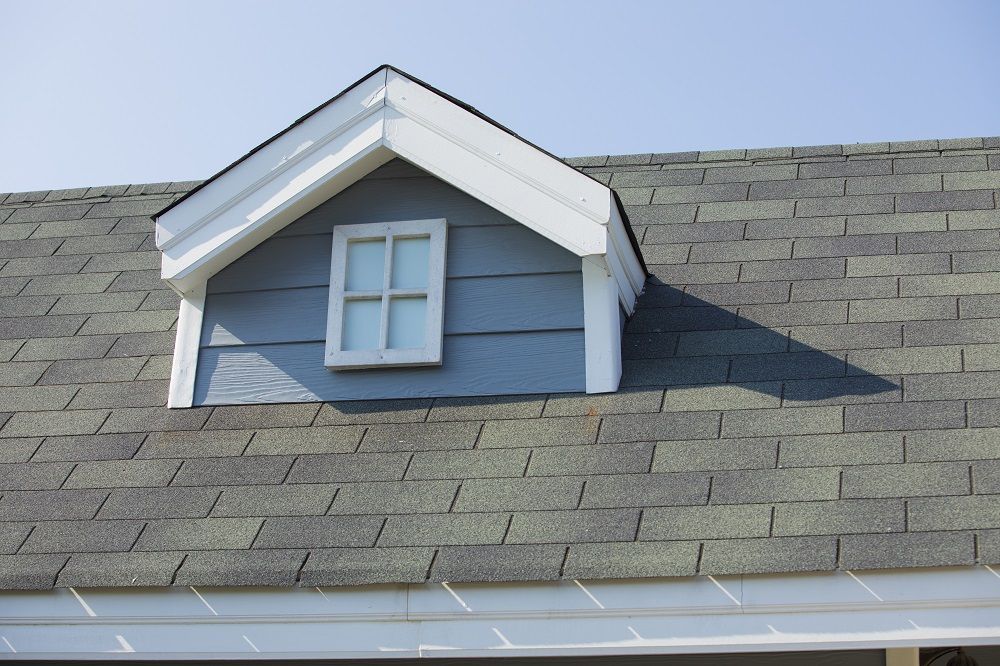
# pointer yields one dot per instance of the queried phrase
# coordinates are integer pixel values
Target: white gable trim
(817, 611)
(387, 115)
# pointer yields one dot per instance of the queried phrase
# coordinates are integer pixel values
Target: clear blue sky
(110, 92)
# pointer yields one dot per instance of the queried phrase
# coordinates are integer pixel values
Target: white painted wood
(905, 656)
(381, 356)
(186, 345)
(822, 611)
(602, 327)
(384, 116)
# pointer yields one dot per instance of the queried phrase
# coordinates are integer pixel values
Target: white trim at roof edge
(840, 610)
(385, 115)
(186, 347)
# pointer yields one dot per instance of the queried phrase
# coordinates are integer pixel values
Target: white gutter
(823, 611)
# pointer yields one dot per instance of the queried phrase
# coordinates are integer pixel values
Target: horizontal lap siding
(513, 306)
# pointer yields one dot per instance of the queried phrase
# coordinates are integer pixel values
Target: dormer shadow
(678, 340)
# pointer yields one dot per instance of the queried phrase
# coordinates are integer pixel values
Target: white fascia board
(385, 115)
(820, 611)
(496, 167)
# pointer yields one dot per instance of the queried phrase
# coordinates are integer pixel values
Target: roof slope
(813, 382)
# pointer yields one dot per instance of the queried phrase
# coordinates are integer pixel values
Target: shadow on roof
(675, 339)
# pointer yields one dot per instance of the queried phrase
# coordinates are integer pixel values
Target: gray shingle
(650, 427)
(159, 503)
(795, 189)
(631, 560)
(24, 398)
(233, 471)
(73, 371)
(278, 568)
(195, 444)
(584, 525)
(844, 289)
(122, 473)
(840, 517)
(750, 173)
(151, 419)
(51, 504)
(291, 500)
(893, 265)
(78, 536)
(705, 522)
(790, 421)
(904, 309)
(494, 563)
(198, 534)
(421, 436)
(710, 455)
(952, 241)
(940, 164)
(907, 480)
(656, 178)
(564, 431)
(30, 572)
(748, 341)
(614, 459)
(744, 250)
(745, 210)
(894, 184)
(491, 407)
(122, 394)
(349, 467)
(119, 570)
(364, 566)
(773, 555)
(949, 513)
(88, 447)
(317, 439)
(445, 529)
(905, 416)
(107, 302)
(18, 449)
(674, 194)
(841, 449)
(793, 269)
(724, 396)
(12, 535)
(624, 401)
(882, 551)
(74, 422)
(956, 200)
(967, 331)
(262, 416)
(775, 485)
(641, 490)
(848, 168)
(485, 463)
(954, 385)
(519, 494)
(402, 497)
(844, 246)
(59, 348)
(935, 445)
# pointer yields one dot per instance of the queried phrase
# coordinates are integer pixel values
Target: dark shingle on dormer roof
(810, 383)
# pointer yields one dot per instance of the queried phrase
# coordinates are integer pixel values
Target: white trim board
(387, 115)
(823, 611)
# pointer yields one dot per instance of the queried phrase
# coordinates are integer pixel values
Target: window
(386, 294)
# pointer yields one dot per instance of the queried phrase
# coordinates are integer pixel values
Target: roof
(813, 383)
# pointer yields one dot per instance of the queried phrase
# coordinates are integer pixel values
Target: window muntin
(386, 294)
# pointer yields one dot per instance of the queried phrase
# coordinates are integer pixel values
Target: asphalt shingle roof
(812, 381)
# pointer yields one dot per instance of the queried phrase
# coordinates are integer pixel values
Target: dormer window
(316, 267)
(386, 295)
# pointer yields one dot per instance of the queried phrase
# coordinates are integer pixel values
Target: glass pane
(362, 320)
(410, 263)
(365, 265)
(406, 322)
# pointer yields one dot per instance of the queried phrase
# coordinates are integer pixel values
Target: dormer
(393, 243)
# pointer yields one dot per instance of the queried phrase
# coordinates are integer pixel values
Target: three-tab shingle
(810, 383)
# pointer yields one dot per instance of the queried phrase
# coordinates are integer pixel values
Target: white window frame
(431, 352)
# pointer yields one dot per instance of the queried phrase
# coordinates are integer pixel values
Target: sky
(110, 92)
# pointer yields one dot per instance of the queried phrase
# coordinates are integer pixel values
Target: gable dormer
(396, 243)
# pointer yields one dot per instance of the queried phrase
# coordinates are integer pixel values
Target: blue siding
(513, 306)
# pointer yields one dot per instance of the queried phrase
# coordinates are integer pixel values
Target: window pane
(362, 320)
(410, 263)
(365, 265)
(406, 322)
